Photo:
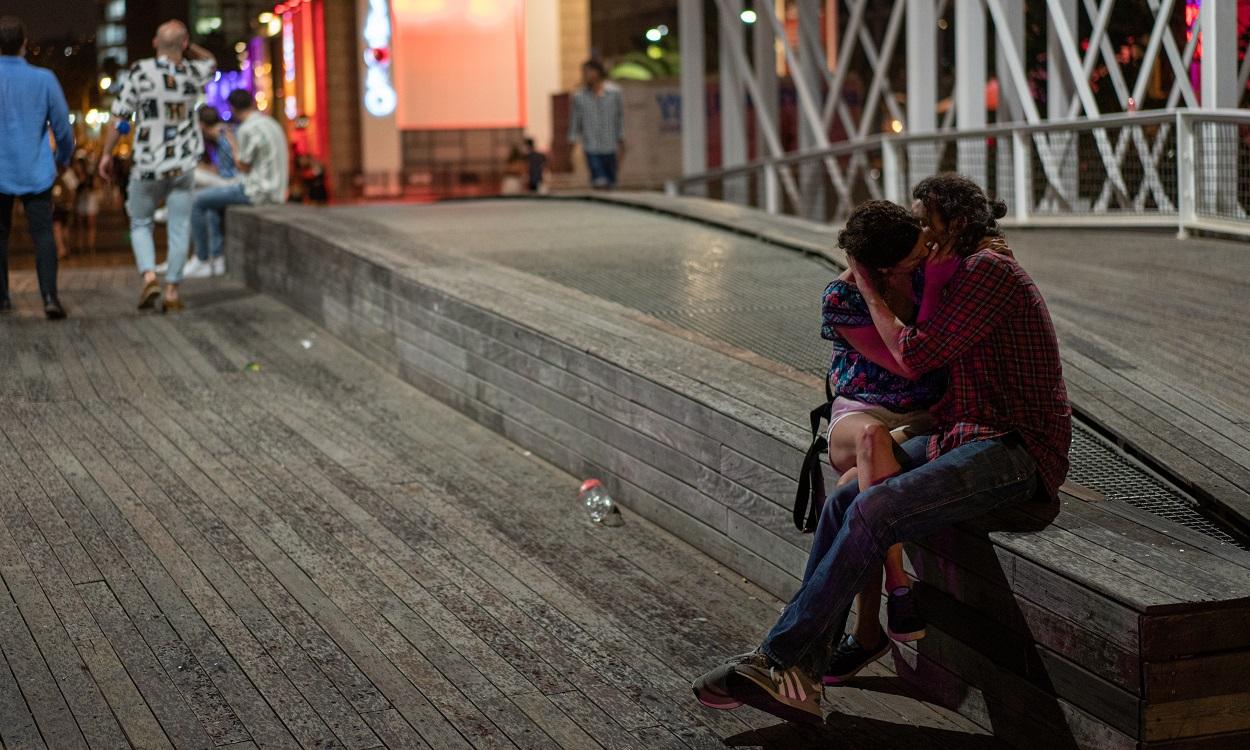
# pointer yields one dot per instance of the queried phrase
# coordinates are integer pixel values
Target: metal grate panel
(1101, 466)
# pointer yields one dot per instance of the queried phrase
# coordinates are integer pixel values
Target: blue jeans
(142, 199)
(856, 528)
(602, 169)
(207, 214)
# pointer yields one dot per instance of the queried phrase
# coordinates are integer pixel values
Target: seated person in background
(875, 406)
(261, 155)
(217, 167)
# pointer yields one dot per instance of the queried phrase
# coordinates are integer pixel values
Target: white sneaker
(219, 265)
(161, 267)
(160, 215)
(197, 269)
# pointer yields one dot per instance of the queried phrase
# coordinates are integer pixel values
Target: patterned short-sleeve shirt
(854, 376)
(161, 96)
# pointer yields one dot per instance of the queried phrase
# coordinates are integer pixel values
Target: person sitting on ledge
(875, 406)
(1003, 430)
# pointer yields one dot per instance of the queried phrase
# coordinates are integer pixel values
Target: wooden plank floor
(314, 554)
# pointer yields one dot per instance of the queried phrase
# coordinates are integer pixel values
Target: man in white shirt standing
(260, 153)
(161, 93)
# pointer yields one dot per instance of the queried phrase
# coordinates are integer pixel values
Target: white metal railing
(1188, 168)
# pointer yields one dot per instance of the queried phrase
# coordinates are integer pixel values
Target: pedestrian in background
(86, 204)
(31, 104)
(64, 198)
(597, 122)
(161, 93)
(536, 163)
(260, 152)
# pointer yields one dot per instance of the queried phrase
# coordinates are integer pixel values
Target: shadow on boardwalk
(313, 554)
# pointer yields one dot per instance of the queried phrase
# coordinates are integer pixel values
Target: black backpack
(810, 498)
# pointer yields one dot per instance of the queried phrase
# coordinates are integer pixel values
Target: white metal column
(1060, 91)
(1009, 108)
(921, 87)
(970, 87)
(693, 91)
(1218, 142)
(733, 139)
(811, 60)
(766, 109)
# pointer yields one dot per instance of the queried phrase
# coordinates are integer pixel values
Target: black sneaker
(850, 657)
(52, 308)
(902, 616)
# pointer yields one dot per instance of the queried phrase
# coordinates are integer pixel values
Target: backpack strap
(809, 500)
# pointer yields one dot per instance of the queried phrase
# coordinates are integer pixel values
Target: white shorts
(907, 424)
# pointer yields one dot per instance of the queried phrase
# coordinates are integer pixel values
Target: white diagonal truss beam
(730, 24)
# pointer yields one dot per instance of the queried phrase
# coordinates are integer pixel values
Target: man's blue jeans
(856, 528)
(142, 199)
(602, 169)
(206, 217)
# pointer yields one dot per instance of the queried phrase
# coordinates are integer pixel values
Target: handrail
(1020, 143)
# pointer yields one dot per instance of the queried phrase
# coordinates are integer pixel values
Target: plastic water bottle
(599, 504)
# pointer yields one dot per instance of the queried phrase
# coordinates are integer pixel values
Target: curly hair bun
(998, 208)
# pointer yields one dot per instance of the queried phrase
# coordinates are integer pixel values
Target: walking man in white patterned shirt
(161, 94)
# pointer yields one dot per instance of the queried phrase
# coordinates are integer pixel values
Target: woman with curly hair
(875, 405)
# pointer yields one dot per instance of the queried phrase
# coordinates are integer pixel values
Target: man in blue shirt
(31, 103)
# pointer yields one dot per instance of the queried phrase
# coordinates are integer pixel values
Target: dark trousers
(602, 169)
(39, 220)
(856, 528)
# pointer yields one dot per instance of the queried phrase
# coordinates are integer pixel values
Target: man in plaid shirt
(1003, 432)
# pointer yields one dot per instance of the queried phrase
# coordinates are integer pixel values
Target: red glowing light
(380, 54)
(279, 9)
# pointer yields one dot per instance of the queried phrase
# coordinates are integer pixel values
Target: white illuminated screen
(458, 63)
(379, 98)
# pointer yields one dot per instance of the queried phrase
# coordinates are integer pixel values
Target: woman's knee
(873, 435)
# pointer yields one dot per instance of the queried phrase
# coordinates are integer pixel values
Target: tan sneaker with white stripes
(789, 694)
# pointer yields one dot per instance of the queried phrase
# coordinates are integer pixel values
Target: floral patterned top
(854, 376)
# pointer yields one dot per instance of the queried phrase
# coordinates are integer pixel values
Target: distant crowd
(185, 167)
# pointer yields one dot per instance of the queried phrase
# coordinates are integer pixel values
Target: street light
(264, 18)
(748, 16)
(106, 83)
(654, 35)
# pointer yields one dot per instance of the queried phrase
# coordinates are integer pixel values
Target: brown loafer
(151, 292)
(173, 306)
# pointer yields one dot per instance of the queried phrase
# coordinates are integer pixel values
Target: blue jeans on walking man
(602, 169)
(143, 197)
(856, 528)
(207, 215)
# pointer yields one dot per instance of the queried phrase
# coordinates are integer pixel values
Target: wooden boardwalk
(313, 554)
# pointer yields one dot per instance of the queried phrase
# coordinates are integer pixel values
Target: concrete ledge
(1082, 625)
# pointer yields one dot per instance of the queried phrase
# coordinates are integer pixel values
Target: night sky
(53, 19)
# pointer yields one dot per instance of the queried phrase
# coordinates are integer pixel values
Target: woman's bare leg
(875, 463)
(865, 440)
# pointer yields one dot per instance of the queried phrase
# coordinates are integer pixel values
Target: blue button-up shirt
(31, 101)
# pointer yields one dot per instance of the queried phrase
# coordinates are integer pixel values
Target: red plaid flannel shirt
(993, 331)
